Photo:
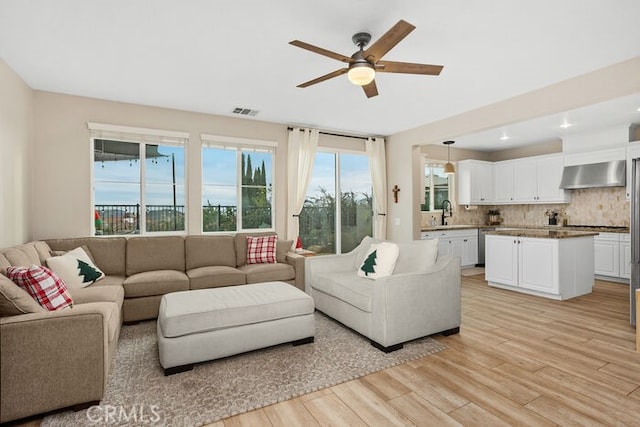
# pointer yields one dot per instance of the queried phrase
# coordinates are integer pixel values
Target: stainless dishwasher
(481, 234)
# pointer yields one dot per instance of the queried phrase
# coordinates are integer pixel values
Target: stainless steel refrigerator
(635, 237)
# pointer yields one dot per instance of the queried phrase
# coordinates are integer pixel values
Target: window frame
(142, 137)
(239, 145)
(338, 199)
(431, 163)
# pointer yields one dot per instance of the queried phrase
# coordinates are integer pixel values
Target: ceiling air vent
(245, 111)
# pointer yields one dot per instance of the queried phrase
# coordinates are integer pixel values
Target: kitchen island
(555, 264)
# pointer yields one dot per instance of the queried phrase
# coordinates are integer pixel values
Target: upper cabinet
(523, 181)
(537, 180)
(475, 182)
(503, 185)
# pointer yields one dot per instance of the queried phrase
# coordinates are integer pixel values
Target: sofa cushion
(117, 281)
(203, 251)
(75, 268)
(14, 300)
(240, 241)
(214, 276)
(107, 252)
(43, 285)
(257, 273)
(261, 249)
(113, 294)
(22, 255)
(158, 282)
(379, 260)
(155, 253)
(347, 287)
(282, 248)
(417, 256)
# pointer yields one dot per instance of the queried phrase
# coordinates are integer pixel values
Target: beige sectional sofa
(52, 360)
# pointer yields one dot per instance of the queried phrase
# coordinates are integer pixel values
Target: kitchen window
(437, 186)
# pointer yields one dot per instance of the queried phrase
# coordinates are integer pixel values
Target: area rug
(139, 393)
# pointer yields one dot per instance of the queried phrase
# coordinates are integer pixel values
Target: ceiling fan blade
(407, 68)
(385, 43)
(320, 51)
(371, 89)
(325, 77)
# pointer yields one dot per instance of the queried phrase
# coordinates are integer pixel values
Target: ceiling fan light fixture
(361, 73)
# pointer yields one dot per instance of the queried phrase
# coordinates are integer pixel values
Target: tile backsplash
(590, 206)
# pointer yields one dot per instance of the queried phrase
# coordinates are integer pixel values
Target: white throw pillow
(418, 256)
(75, 268)
(379, 260)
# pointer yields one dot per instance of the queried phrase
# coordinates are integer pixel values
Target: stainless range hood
(606, 174)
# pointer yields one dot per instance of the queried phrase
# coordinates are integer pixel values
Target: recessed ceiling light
(565, 125)
(504, 137)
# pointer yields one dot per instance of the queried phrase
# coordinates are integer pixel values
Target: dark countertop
(558, 233)
(591, 229)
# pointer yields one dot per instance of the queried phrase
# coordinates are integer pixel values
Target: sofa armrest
(53, 360)
(319, 264)
(297, 261)
(410, 305)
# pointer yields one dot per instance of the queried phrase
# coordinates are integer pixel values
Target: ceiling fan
(364, 64)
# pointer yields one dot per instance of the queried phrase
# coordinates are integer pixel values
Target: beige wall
(16, 139)
(63, 156)
(405, 218)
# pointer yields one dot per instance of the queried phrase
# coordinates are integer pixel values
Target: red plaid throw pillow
(261, 249)
(45, 287)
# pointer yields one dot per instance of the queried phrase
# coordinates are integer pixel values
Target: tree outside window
(228, 206)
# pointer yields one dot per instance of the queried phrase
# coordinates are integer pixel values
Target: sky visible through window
(118, 182)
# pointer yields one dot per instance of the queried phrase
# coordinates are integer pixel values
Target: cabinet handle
(464, 240)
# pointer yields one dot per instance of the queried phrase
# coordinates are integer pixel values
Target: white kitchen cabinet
(537, 264)
(607, 254)
(475, 182)
(548, 267)
(501, 260)
(625, 256)
(537, 180)
(503, 186)
(460, 243)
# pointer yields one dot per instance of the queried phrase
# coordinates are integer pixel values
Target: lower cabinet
(613, 255)
(460, 243)
(553, 268)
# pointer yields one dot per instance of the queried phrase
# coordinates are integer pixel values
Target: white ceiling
(211, 56)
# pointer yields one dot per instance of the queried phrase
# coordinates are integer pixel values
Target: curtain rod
(338, 134)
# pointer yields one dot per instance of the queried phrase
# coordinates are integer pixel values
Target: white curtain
(378, 169)
(302, 153)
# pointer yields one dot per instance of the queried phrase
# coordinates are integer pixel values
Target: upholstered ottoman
(206, 324)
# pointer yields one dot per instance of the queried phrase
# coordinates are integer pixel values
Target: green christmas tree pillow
(75, 268)
(379, 261)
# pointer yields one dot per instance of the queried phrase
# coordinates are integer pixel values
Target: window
(237, 185)
(437, 186)
(139, 180)
(348, 176)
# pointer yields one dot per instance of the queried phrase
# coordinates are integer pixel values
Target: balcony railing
(125, 219)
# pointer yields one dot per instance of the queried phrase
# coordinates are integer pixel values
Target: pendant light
(448, 167)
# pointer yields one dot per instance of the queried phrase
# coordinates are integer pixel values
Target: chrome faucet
(444, 210)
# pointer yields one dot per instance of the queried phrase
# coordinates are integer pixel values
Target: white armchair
(419, 299)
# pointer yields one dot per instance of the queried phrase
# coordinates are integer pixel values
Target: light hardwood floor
(518, 360)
